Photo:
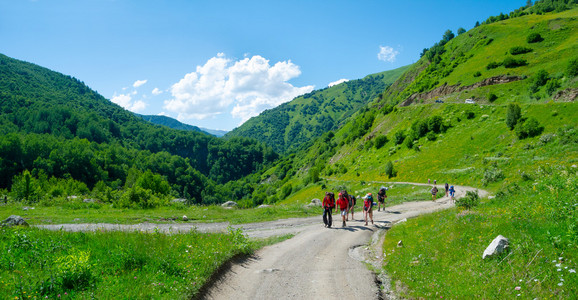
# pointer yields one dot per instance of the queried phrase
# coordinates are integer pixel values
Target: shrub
(572, 68)
(534, 38)
(470, 115)
(493, 65)
(511, 62)
(492, 175)
(380, 141)
(398, 137)
(431, 136)
(529, 128)
(492, 97)
(520, 50)
(552, 86)
(477, 74)
(389, 171)
(470, 200)
(513, 116)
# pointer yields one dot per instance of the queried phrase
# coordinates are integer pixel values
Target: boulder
(15, 221)
(496, 247)
(315, 202)
(27, 208)
(229, 204)
(88, 200)
(400, 244)
(179, 200)
(263, 206)
(185, 218)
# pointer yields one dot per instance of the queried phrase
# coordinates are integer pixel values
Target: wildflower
(560, 284)
(558, 265)
(559, 270)
(518, 288)
(572, 271)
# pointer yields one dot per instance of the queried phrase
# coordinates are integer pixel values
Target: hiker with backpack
(452, 192)
(434, 191)
(368, 207)
(352, 202)
(343, 204)
(381, 195)
(328, 205)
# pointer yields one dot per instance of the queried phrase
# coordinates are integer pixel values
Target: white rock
(496, 247)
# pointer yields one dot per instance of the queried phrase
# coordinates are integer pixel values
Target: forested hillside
(175, 124)
(290, 125)
(53, 127)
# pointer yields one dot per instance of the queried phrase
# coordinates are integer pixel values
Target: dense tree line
(54, 126)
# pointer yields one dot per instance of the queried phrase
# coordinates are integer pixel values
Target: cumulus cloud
(157, 92)
(139, 83)
(126, 101)
(338, 82)
(387, 54)
(243, 88)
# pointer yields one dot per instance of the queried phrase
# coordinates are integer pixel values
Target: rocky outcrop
(450, 89)
(14, 221)
(567, 95)
(496, 247)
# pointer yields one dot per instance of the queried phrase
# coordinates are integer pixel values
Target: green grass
(442, 252)
(101, 213)
(105, 265)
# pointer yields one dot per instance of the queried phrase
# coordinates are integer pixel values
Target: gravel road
(317, 263)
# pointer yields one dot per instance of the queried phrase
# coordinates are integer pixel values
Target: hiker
(452, 192)
(381, 195)
(447, 189)
(434, 191)
(343, 204)
(368, 207)
(328, 205)
(428, 181)
(352, 202)
(435, 181)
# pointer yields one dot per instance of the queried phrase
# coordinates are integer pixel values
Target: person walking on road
(368, 207)
(381, 195)
(328, 205)
(452, 192)
(343, 204)
(447, 189)
(352, 202)
(434, 191)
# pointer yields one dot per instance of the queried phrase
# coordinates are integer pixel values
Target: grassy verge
(100, 213)
(442, 252)
(43, 264)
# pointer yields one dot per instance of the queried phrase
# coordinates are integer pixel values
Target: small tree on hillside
(461, 30)
(389, 171)
(513, 116)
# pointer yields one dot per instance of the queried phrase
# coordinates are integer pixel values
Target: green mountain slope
(288, 126)
(53, 125)
(175, 124)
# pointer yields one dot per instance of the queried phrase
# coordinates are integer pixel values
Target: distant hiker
(434, 191)
(428, 181)
(381, 195)
(352, 202)
(447, 189)
(435, 181)
(328, 205)
(343, 204)
(368, 207)
(452, 192)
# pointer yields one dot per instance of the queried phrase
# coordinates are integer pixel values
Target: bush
(520, 50)
(534, 38)
(529, 128)
(492, 175)
(380, 141)
(431, 136)
(572, 69)
(478, 74)
(389, 171)
(492, 97)
(511, 62)
(493, 65)
(513, 116)
(399, 137)
(470, 200)
(552, 86)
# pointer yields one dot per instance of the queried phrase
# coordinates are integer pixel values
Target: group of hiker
(346, 204)
(450, 191)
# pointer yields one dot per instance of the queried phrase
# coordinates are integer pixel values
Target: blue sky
(215, 64)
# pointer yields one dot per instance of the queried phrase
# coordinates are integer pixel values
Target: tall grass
(111, 265)
(441, 255)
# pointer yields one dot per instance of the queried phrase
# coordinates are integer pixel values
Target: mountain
(175, 124)
(292, 124)
(54, 126)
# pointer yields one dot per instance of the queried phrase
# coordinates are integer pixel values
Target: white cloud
(387, 54)
(243, 88)
(337, 82)
(139, 83)
(125, 100)
(156, 91)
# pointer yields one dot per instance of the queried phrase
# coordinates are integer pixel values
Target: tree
(461, 30)
(448, 35)
(514, 114)
(477, 24)
(389, 171)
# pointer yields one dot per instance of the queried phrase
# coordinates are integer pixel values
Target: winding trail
(317, 263)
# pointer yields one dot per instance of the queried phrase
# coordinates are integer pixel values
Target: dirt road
(317, 263)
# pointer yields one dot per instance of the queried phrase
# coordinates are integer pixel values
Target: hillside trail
(317, 263)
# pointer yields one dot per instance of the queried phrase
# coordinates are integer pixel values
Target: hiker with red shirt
(328, 205)
(343, 204)
(368, 207)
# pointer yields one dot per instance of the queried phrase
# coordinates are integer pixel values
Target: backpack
(330, 200)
